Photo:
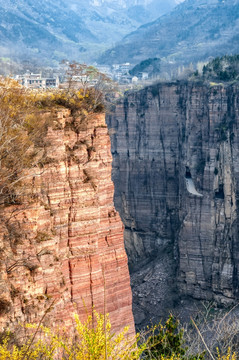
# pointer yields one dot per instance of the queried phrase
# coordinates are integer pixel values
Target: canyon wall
(176, 173)
(61, 239)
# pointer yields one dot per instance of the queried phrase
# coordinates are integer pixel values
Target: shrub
(89, 343)
(167, 342)
(228, 356)
(42, 236)
(23, 128)
(4, 306)
(94, 340)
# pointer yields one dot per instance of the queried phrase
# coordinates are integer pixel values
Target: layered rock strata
(62, 243)
(172, 143)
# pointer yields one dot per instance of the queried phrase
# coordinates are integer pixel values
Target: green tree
(167, 341)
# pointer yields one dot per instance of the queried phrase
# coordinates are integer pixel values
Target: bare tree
(89, 81)
(17, 151)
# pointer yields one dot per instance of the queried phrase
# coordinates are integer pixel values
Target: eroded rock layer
(62, 244)
(172, 143)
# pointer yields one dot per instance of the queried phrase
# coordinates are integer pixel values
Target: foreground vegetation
(94, 340)
(89, 343)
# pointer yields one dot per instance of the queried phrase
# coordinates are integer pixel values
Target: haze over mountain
(194, 30)
(75, 29)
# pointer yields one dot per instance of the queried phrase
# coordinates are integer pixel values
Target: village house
(36, 81)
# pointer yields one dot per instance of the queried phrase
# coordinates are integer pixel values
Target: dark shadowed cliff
(171, 143)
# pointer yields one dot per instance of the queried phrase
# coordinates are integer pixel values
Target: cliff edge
(61, 240)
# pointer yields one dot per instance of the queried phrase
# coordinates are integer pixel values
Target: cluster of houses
(117, 72)
(121, 73)
(36, 81)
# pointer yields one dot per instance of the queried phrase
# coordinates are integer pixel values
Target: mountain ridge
(193, 31)
(52, 31)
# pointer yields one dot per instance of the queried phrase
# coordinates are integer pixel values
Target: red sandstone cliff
(64, 241)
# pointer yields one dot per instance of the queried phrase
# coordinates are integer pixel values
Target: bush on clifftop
(23, 128)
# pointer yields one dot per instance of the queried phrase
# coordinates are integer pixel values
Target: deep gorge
(175, 150)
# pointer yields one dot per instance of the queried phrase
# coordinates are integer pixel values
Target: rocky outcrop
(180, 239)
(61, 243)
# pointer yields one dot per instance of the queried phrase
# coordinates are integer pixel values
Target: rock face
(172, 143)
(63, 242)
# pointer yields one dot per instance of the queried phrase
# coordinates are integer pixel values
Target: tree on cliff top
(22, 133)
(22, 127)
(225, 68)
(16, 150)
(89, 81)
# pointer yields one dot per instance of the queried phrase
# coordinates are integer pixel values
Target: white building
(36, 81)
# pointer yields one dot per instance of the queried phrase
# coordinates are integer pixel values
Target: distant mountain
(75, 29)
(45, 29)
(110, 20)
(195, 30)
